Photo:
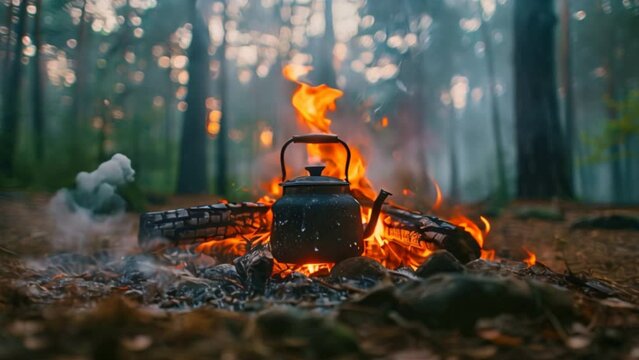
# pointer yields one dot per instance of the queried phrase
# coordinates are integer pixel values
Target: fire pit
(317, 220)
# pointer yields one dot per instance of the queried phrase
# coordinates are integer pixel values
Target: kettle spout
(377, 208)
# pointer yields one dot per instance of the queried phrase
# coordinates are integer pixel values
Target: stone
(459, 300)
(358, 267)
(440, 261)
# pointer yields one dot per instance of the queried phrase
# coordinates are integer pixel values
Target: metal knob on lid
(315, 170)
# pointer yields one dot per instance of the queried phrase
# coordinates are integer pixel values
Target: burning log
(251, 221)
(411, 228)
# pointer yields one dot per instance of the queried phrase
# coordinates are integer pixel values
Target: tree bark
(502, 191)
(10, 119)
(38, 85)
(192, 170)
(541, 146)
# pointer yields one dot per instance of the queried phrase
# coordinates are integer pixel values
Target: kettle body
(317, 219)
(316, 227)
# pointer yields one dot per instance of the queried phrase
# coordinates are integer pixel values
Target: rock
(255, 268)
(608, 222)
(358, 267)
(441, 261)
(459, 300)
(303, 335)
(195, 291)
(221, 273)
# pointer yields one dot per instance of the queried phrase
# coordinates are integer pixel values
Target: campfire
(409, 280)
(397, 238)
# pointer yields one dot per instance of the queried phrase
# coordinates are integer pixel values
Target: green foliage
(616, 132)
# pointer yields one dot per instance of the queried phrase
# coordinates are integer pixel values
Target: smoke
(93, 209)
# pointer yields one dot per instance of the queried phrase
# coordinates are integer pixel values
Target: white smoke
(93, 209)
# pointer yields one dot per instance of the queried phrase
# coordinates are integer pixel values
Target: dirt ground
(116, 327)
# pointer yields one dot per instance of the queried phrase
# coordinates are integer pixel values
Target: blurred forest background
(493, 99)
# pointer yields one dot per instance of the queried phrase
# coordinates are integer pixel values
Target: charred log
(204, 223)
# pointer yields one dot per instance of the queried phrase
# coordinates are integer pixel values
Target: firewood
(221, 221)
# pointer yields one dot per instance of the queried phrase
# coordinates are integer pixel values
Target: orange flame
(486, 225)
(474, 230)
(531, 259)
(311, 104)
(438, 197)
(469, 226)
(294, 71)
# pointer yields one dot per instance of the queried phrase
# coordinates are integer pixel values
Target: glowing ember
(531, 259)
(233, 246)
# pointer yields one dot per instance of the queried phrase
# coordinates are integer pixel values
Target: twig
(5, 250)
(340, 287)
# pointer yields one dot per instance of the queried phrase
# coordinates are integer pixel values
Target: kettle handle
(315, 139)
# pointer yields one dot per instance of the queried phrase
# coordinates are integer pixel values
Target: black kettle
(317, 219)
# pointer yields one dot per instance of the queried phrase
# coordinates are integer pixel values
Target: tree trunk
(222, 137)
(6, 60)
(325, 73)
(566, 64)
(80, 88)
(502, 191)
(38, 85)
(541, 151)
(616, 170)
(192, 171)
(169, 111)
(455, 191)
(12, 94)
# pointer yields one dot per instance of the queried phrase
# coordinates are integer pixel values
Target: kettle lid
(315, 178)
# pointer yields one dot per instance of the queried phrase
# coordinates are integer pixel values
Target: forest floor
(111, 324)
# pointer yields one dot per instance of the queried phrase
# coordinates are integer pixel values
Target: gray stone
(441, 261)
(358, 267)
